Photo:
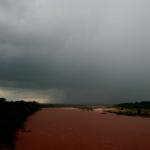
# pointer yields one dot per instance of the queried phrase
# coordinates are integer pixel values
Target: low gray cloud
(75, 51)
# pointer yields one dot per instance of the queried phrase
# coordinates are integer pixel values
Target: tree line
(12, 116)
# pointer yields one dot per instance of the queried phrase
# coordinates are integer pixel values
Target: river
(73, 129)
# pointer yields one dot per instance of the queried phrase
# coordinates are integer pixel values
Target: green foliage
(137, 105)
(133, 109)
(12, 116)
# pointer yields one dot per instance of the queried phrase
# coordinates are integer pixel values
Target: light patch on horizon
(31, 95)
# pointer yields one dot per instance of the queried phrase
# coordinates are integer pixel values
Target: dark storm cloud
(75, 51)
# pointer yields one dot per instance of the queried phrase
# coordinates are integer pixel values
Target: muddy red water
(62, 129)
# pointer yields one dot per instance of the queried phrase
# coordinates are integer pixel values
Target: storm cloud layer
(71, 51)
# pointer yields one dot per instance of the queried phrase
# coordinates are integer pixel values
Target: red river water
(72, 129)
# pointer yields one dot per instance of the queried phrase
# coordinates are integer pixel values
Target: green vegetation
(137, 108)
(84, 107)
(142, 105)
(12, 116)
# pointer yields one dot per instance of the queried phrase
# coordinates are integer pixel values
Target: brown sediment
(71, 129)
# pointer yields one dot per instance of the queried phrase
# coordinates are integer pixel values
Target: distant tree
(2, 100)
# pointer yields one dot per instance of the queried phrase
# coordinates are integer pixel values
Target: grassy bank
(12, 116)
(132, 109)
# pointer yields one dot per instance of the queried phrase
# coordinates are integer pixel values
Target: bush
(12, 116)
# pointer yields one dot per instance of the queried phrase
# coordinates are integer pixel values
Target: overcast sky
(75, 51)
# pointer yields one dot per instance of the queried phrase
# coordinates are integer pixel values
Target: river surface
(72, 129)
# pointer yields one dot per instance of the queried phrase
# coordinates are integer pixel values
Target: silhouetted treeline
(137, 108)
(80, 106)
(138, 105)
(12, 116)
